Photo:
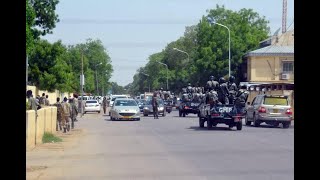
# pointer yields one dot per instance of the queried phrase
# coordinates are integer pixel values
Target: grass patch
(49, 138)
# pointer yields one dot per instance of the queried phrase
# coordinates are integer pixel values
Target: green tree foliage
(208, 48)
(45, 16)
(30, 20)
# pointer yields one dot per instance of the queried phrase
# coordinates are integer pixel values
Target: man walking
(76, 103)
(32, 102)
(104, 104)
(154, 103)
(59, 114)
(74, 112)
(66, 108)
(47, 103)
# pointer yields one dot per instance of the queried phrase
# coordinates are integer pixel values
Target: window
(287, 66)
(275, 101)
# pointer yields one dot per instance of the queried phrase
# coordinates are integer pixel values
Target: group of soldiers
(217, 92)
(67, 110)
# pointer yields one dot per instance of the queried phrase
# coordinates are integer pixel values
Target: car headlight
(146, 108)
(161, 108)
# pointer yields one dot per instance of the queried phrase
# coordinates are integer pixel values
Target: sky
(132, 30)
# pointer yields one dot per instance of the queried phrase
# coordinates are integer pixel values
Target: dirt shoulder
(44, 156)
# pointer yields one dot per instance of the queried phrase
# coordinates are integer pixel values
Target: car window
(91, 101)
(258, 100)
(126, 103)
(276, 101)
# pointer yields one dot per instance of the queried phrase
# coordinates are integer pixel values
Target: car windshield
(91, 101)
(275, 101)
(126, 103)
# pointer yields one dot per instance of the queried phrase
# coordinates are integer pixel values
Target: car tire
(239, 126)
(248, 123)
(201, 122)
(209, 124)
(256, 122)
(286, 125)
(99, 112)
(138, 119)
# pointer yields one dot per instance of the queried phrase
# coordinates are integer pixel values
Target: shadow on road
(267, 126)
(118, 120)
(197, 128)
(190, 116)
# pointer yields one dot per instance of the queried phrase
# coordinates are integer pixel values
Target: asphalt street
(174, 147)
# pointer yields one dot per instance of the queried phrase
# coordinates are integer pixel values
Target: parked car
(125, 109)
(270, 109)
(92, 106)
(148, 109)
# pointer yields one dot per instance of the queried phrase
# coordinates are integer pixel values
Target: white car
(125, 109)
(92, 106)
(116, 96)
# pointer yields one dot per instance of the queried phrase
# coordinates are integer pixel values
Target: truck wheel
(239, 126)
(286, 125)
(209, 124)
(201, 122)
(248, 123)
(180, 114)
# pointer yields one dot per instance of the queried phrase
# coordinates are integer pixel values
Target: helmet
(232, 78)
(211, 78)
(222, 80)
(189, 84)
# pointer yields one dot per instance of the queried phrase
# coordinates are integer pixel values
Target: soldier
(232, 89)
(212, 84)
(32, 102)
(76, 102)
(223, 91)
(66, 109)
(104, 104)
(154, 103)
(241, 97)
(59, 114)
(47, 103)
(42, 100)
(73, 112)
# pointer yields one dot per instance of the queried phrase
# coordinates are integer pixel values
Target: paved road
(175, 148)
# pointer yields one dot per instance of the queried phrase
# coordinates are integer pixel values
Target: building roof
(272, 51)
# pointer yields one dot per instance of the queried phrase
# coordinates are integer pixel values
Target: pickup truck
(230, 115)
(187, 107)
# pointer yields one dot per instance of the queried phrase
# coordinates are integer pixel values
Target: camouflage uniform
(66, 109)
(73, 112)
(59, 115)
(104, 104)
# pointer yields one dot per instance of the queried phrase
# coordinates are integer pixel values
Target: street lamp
(211, 21)
(167, 72)
(182, 52)
(148, 77)
(97, 76)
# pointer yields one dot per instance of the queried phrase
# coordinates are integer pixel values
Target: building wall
(52, 96)
(267, 69)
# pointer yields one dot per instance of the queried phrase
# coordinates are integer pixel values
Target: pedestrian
(73, 112)
(104, 104)
(66, 109)
(47, 103)
(76, 103)
(42, 100)
(33, 105)
(59, 114)
(154, 103)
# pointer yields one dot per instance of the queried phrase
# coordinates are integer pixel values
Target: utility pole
(284, 16)
(81, 82)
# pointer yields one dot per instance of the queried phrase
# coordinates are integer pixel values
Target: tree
(30, 20)
(45, 17)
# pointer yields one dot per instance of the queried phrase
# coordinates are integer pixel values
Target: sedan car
(271, 109)
(148, 109)
(125, 109)
(92, 106)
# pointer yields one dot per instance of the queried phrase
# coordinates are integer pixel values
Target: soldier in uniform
(59, 114)
(212, 84)
(76, 102)
(42, 100)
(47, 103)
(74, 112)
(232, 89)
(32, 102)
(154, 103)
(223, 91)
(241, 97)
(66, 109)
(104, 104)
